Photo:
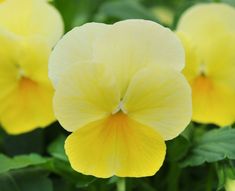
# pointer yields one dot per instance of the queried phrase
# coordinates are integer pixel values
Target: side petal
(116, 146)
(133, 44)
(75, 47)
(160, 98)
(193, 60)
(86, 93)
(31, 17)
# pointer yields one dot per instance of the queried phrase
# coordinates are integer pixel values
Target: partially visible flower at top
(208, 34)
(120, 91)
(28, 31)
(31, 17)
(164, 14)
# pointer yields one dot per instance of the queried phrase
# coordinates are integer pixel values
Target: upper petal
(160, 98)
(116, 146)
(31, 17)
(74, 48)
(205, 21)
(132, 44)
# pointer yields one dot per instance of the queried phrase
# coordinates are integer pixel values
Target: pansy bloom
(208, 34)
(28, 31)
(120, 91)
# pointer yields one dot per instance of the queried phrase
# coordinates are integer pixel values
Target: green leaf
(126, 10)
(64, 169)
(177, 148)
(25, 180)
(22, 161)
(213, 146)
(56, 148)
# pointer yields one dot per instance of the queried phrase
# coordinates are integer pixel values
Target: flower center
(202, 83)
(119, 108)
(26, 84)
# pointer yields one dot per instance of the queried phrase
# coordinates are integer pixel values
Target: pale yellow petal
(86, 93)
(8, 69)
(115, 146)
(31, 17)
(75, 47)
(33, 59)
(204, 22)
(159, 98)
(219, 58)
(193, 65)
(133, 44)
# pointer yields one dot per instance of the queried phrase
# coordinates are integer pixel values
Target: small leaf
(25, 180)
(21, 161)
(177, 148)
(213, 146)
(56, 148)
(126, 10)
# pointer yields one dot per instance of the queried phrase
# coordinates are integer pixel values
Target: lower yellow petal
(118, 146)
(27, 107)
(212, 102)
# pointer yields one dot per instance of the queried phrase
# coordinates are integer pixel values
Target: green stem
(210, 178)
(121, 184)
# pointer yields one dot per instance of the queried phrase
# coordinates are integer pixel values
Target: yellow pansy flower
(208, 34)
(119, 90)
(26, 42)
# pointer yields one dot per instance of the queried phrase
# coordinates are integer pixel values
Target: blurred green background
(40, 164)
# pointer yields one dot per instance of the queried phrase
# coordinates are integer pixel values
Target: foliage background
(200, 159)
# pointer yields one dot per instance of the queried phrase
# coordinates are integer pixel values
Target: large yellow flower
(26, 41)
(208, 34)
(120, 91)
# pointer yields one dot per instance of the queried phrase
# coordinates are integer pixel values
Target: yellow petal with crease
(116, 146)
(88, 92)
(160, 98)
